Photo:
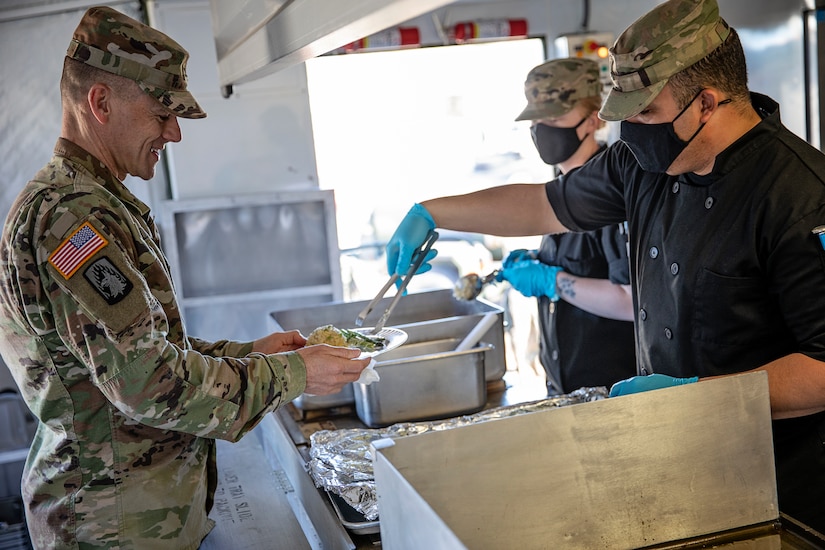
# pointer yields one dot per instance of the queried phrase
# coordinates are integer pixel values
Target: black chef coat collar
(727, 160)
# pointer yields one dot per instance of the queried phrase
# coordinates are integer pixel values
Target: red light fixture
(489, 29)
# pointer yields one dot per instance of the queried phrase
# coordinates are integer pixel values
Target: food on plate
(343, 338)
(327, 334)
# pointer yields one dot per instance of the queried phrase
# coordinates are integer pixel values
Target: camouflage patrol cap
(115, 43)
(553, 88)
(674, 35)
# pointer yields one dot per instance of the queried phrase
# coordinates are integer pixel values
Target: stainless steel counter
(279, 447)
(252, 507)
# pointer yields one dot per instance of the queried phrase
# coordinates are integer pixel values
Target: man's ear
(100, 101)
(595, 120)
(710, 99)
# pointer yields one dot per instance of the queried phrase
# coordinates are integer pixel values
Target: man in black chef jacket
(723, 205)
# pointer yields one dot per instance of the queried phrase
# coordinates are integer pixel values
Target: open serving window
(236, 259)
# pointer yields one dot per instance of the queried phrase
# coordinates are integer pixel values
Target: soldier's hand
(279, 342)
(330, 368)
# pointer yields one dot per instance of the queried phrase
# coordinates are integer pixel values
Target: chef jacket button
(675, 187)
(668, 334)
(708, 203)
(642, 314)
(653, 252)
(674, 268)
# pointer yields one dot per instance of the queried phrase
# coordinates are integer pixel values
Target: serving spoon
(469, 286)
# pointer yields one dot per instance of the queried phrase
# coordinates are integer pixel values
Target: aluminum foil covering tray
(341, 461)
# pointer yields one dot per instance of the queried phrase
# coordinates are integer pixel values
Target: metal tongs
(417, 259)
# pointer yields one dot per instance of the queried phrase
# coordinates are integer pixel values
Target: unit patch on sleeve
(76, 250)
(107, 280)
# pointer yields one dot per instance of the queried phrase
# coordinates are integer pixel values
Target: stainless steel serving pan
(424, 316)
(424, 381)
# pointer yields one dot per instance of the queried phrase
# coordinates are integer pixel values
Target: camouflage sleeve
(221, 348)
(115, 310)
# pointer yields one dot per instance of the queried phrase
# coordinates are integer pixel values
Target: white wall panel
(250, 143)
(258, 140)
(29, 97)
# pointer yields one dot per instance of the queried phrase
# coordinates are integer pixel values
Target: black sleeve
(593, 195)
(615, 246)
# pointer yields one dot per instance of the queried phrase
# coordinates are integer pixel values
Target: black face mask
(555, 145)
(656, 146)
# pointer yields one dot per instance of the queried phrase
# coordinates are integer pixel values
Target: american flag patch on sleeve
(76, 250)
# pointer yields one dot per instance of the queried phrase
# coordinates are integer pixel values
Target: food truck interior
(327, 120)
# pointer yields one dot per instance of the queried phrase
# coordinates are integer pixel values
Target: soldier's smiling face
(141, 128)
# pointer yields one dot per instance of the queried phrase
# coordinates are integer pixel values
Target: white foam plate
(394, 337)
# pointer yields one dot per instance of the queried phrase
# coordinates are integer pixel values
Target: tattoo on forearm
(567, 287)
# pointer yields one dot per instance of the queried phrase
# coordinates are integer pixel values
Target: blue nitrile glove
(532, 278)
(408, 237)
(519, 255)
(638, 384)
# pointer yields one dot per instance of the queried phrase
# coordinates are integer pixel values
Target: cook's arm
(797, 268)
(797, 385)
(597, 296)
(508, 211)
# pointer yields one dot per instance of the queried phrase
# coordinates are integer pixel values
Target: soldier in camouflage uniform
(725, 208)
(581, 280)
(129, 404)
